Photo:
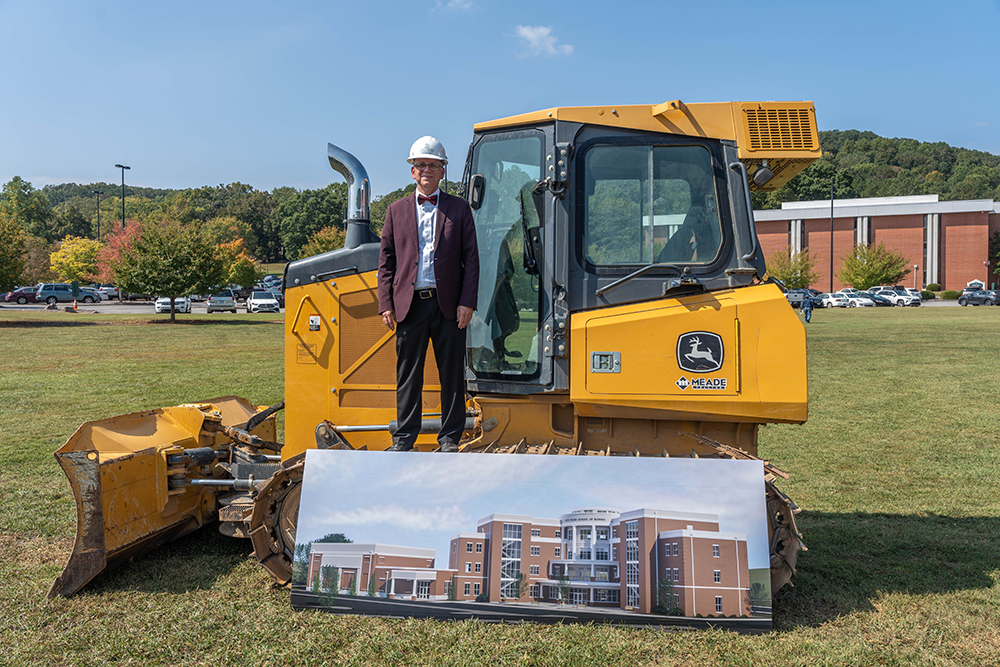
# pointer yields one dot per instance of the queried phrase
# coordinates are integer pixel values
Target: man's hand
(464, 316)
(389, 318)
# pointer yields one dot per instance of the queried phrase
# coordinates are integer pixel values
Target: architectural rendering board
(644, 541)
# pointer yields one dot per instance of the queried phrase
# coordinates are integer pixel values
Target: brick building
(399, 572)
(947, 241)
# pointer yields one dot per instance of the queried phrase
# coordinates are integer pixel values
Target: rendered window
(584, 554)
(475, 589)
(479, 567)
(626, 183)
(584, 533)
(715, 550)
(675, 548)
(718, 576)
(479, 547)
(718, 604)
(533, 590)
(468, 567)
(468, 547)
(536, 532)
(466, 588)
(536, 551)
(535, 569)
(558, 552)
(601, 553)
(677, 574)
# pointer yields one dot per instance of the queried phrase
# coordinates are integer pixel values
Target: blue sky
(423, 499)
(203, 93)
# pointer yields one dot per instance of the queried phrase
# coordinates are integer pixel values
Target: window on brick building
(558, 551)
(718, 604)
(466, 588)
(536, 551)
(675, 548)
(535, 569)
(677, 574)
(718, 576)
(475, 589)
(468, 567)
(715, 550)
(468, 547)
(479, 547)
(479, 567)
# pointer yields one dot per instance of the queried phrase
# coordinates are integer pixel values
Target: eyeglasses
(423, 166)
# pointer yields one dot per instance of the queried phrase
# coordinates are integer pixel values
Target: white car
(835, 300)
(855, 300)
(220, 301)
(91, 295)
(899, 297)
(261, 301)
(181, 305)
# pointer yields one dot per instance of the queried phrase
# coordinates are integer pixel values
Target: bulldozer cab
(574, 216)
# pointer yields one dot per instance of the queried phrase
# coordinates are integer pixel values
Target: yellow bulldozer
(623, 311)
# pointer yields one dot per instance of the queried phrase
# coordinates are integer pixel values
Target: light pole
(831, 233)
(98, 213)
(987, 281)
(123, 168)
(915, 276)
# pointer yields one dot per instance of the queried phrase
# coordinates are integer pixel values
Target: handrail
(753, 226)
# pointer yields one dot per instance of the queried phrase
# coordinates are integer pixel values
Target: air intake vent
(780, 129)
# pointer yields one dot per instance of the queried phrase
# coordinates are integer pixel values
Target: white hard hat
(427, 148)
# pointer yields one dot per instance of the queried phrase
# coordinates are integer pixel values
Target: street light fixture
(96, 192)
(123, 168)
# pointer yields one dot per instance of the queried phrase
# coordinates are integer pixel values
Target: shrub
(949, 295)
(483, 597)
(934, 287)
(927, 295)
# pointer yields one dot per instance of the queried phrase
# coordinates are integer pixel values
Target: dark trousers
(424, 322)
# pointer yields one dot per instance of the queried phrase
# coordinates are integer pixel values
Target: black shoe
(400, 447)
(448, 448)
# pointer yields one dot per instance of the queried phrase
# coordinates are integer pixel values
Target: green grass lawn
(897, 473)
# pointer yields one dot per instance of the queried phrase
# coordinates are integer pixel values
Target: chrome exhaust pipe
(358, 196)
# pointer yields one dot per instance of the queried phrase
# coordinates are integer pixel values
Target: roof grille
(781, 129)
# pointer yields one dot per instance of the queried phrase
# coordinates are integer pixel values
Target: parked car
(262, 301)
(855, 300)
(221, 301)
(279, 297)
(22, 295)
(90, 295)
(982, 297)
(795, 296)
(108, 290)
(181, 305)
(899, 297)
(52, 293)
(877, 299)
(835, 300)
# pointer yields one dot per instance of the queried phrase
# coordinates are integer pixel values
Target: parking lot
(126, 308)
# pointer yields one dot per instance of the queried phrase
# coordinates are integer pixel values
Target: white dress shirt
(426, 222)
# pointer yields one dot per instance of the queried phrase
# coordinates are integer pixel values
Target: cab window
(650, 205)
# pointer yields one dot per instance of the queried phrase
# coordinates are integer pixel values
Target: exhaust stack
(358, 196)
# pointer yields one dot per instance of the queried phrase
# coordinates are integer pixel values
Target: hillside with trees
(863, 164)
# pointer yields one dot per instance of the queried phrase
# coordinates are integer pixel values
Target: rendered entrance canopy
(540, 538)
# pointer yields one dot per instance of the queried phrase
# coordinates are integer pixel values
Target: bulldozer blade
(128, 476)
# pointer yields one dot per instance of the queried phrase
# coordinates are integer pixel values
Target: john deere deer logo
(699, 352)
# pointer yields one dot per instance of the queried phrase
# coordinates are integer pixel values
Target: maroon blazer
(456, 257)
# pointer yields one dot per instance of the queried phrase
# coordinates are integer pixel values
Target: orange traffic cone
(74, 304)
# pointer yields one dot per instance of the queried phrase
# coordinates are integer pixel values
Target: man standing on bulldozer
(428, 282)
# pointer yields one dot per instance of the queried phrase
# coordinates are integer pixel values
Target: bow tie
(433, 199)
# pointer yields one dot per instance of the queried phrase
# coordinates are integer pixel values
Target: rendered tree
(562, 587)
(373, 585)
(352, 588)
(866, 266)
(665, 596)
(452, 589)
(169, 260)
(330, 576)
(521, 585)
(794, 270)
(12, 240)
(76, 259)
(300, 564)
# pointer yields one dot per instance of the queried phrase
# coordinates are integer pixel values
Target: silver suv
(222, 301)
(52, 293)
